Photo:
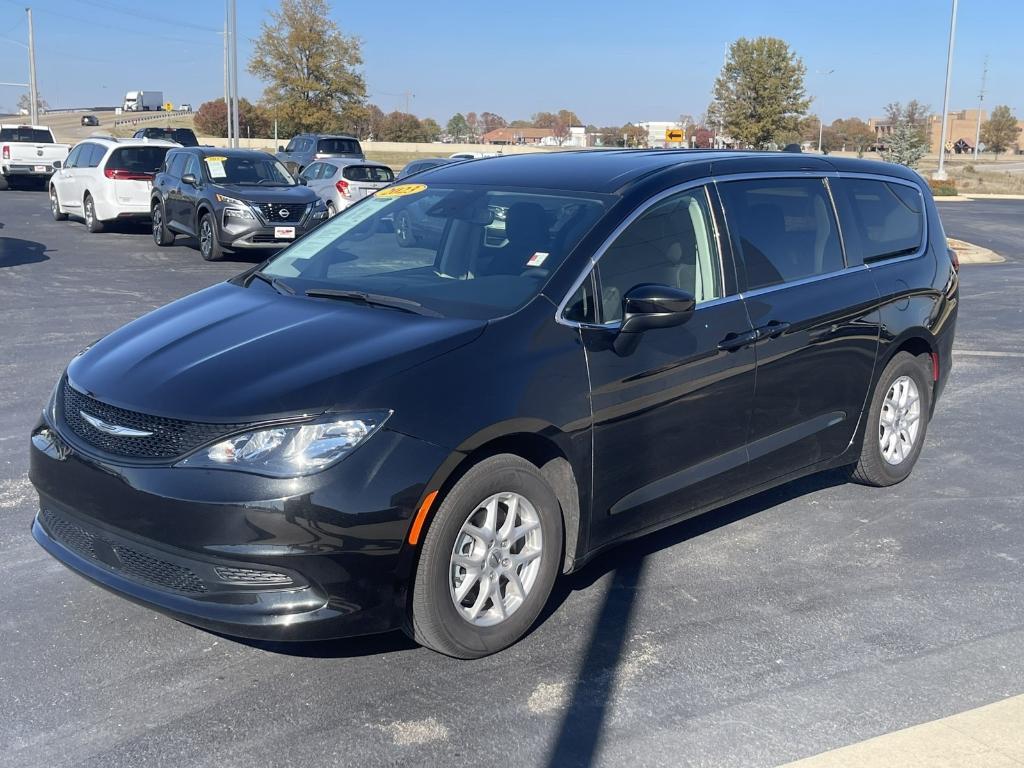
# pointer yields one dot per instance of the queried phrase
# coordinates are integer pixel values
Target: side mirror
(190, 179)
(280, 147)
(651, 306)
(57, 165)
(302, 180)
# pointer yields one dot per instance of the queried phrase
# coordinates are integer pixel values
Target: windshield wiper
(373, 300)
(275, 282)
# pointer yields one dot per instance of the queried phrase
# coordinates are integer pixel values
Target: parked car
(230, 199)
(186, 137)
(423, 164)
(106, 179)
(185, 107)
(472, 155)
(90, 120)
(29, 153)
(354, 437)
(307, 147)
(340, 182)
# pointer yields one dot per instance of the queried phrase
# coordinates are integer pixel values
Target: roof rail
(102, 135)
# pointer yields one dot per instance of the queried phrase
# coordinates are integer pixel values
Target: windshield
(457, 251)
(254, 169)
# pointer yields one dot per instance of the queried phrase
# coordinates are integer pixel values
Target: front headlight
(290, 450)
(235, 208)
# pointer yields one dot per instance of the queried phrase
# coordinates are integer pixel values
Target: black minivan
(358, 436)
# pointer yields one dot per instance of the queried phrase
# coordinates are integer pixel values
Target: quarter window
(785, 229)
(670, 244)
(889, 217)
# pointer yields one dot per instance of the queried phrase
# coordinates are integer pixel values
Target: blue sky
(611, 62)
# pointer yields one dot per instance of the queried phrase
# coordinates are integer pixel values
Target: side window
(785, 229)
(73, 158)
(192, 166)
(329, 171)
(312, 171)
(95, 156)
(176, 164)
(673, 244)
(290, 147)
(888, 217)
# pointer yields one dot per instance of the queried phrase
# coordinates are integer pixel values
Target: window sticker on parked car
(215, 165)
(402, 190)
(537, 259)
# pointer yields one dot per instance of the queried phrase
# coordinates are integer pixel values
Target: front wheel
(209, 245)
(897, 421)
(489, 560)
(55, 206)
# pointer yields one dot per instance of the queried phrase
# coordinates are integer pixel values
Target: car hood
(233, 354)
(251, 194)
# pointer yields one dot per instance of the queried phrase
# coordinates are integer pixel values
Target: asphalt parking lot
(808, 617)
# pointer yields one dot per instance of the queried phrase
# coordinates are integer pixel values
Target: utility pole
(233, 18)
(33, 91)
(940, 174)
(227, 89)
(981, 100)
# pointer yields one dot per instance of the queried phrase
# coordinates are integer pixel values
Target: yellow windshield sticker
(401, 190)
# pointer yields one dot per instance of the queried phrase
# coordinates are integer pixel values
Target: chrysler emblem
(113, 429)
(283, 213)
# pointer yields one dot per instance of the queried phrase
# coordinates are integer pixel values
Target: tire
(403, 230)
(331, 211)
(209, 245)
(435, 621)
(4, 183)
(890, 448)
(55, 206)
(161, 235)
(92, 223)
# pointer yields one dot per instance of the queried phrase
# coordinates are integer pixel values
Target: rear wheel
(489, 560)
(897, 421)
(209, 246)
(161, 235)
(55, 206)
(92, 223)
(4, 184)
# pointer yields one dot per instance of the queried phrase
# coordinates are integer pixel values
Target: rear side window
(785, 229)
(370, 173)
(30, 135)
(92, 155)
(889, 217)
(337, 147)
(137, 159)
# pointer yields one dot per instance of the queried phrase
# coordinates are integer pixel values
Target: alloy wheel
(496, 559)
(205, 236)
(900, 420)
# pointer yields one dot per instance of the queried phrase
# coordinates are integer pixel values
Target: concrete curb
(974, 254)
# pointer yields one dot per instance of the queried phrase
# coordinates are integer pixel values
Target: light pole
(981, 100)
(821, 123)
(940, 174)
(33, 91)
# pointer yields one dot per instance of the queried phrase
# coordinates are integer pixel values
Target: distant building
(960, 125)
(518, 136)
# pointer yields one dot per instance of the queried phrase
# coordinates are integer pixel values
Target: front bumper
(295, 559)
(239, 233)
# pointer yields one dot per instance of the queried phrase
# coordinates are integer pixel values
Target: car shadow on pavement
(579, 735)
(14, 252)
(347, 647)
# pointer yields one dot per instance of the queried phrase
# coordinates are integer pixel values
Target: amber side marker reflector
(421, 518)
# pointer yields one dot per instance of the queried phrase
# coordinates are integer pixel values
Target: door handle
(773, 330)
(735, 341)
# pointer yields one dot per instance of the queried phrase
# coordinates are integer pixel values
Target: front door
(671, 409)
(816, 318)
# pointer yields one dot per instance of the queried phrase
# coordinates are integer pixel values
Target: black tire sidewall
(431, 591)
(903, 364)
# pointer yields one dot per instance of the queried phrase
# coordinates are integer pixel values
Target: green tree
(759, 93)
(401, 126)
(211, 119)
(431, 130)
(457, 127)
(907, 144)
(521, 124)
(852, 134)
(310, 67)
(1000, 131)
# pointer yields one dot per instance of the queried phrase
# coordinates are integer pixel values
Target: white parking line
(985, 353)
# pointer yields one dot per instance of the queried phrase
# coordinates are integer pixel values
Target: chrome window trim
(704, 182)
(803, 281)
(881, 261)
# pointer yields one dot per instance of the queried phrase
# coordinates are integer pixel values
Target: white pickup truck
(29, 152)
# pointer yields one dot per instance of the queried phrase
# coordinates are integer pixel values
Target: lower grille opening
(251, 576)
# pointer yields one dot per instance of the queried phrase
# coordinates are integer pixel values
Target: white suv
(106, 179)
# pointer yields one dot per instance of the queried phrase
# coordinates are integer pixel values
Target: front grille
(272, 211)
(251, 575)
(127, 559)
(170, 438)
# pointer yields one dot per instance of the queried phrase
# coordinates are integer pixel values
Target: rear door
(671, 410)
(815, 316)
(132, 170)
